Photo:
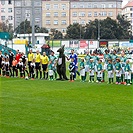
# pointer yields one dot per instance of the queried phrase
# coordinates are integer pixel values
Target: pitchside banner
(66, 43)
(83, 44)
(103, 44)
(73, 43)
(92, 44)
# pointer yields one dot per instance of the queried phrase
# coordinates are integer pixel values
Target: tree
(25, 27)
(124, 27)
(75, 31)
(56, 34)
(6, 27)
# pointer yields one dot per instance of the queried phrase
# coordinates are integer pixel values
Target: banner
(103, 44)
(66, 43)
(73, 43)
(83, 44)
(93, 44)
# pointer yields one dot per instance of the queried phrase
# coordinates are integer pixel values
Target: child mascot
(61, 64)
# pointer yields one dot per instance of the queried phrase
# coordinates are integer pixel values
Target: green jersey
(92, 66)
(123, 61)
(99, 67)
(117, 66)
(107, 57)
(95, 59)
(50, 67)
(52, 58)
(127, 68)
(87, 58)
(114, 57)
(109, 67)
(82, 66)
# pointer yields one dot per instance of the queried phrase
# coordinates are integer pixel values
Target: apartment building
(84, 11)
(7, 11)
(128, 12)
(23, 11)
(58, 14)
(55, 14)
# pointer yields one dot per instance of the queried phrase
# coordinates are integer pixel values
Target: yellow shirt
(30, 56)
(38, 58)
(44, 59)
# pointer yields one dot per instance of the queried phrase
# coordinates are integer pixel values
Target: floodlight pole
(33, 24)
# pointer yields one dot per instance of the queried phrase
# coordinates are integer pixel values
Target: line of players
(44, 66)
(112, 65)
(35, 66)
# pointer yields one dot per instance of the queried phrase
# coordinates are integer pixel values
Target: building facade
(23, 11)
(55, 14)
(7, 11)
(128, 12)
(58, 14)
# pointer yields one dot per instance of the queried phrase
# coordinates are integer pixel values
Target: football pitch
(42, 106)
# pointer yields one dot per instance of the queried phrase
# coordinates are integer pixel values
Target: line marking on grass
(0, 103)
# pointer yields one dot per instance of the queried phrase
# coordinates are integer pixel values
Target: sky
(124, 2)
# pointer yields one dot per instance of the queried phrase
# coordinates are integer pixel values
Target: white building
(7, 11)
(128, 11)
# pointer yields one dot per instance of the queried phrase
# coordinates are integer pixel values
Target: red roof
(129, 4)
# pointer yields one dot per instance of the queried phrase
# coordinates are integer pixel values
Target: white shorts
(99, 74)
(127, 75)
(82, 72)
(50, 72)
(110, 74)
(118, 73)
(105, 66)
(86, 68)
(91, 72)
(122, 71)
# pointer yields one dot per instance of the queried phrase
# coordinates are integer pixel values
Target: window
(74, 21)
(18, 3)
(63, 22)
(102, 5)
(82, 14)
(37, 3)
(64, 30)
(55, 22)
(74, 14)
(89, 14)
(37, 20)
(47, 14)
(81, 6)
(110, 14)
(47, 22)
(47, 6)
(103, 13)
(10, 18)
(2, 2)
(89, 5)
(9, 1)
(95, 5)
(95, 14)
(27, 15)
(131, 14)
(2, 9)
(131, 9)
(74, 6)
(37, 11)
(89, 21)
(63, 14)
(2, 17)
(82, 22)
(9, 10)
(111, 6)
(55, 14)
(63, 6)
(56, 6)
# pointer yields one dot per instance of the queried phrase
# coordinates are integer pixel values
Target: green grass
(62, 107)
